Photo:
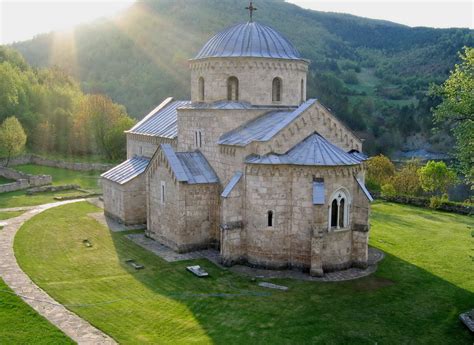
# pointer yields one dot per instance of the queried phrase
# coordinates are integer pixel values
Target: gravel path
(72, 325)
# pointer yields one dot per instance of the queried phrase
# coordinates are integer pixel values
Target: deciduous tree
(436, 177)
(12, 138)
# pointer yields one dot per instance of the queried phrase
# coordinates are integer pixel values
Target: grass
(4, 180)
(87, 180)
(415, 297)
(20, 324)
(75, 158)
(11, 214)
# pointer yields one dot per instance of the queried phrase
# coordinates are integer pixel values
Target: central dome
(249, 40)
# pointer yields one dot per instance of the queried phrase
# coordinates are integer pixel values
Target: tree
(457, 109)
(12, 138)
(406, 181)
(436, 177)
(379, 171)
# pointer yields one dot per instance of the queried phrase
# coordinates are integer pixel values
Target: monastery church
(248, 166)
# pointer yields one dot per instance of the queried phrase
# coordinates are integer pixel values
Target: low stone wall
(23, 181)
(34, 159)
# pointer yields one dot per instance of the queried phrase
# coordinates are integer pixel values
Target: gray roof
(264, 127)
(358, 155)
(161, 121)
(127, 170)
(232, 183)
(364, 189)
(249, 40)
(318, 192)
(189, 167)
(314, 150)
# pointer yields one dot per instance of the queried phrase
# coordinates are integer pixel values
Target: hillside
(373, 74)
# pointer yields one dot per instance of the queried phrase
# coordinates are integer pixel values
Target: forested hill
(373, 74)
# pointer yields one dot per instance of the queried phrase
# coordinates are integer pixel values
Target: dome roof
(249, 40)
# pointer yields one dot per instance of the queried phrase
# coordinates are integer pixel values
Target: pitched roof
(161, 121)
(127, 170)
(249, 39)
(314, 150)
(364, 189)
(232, 183)
(264, 127)
(189, 167)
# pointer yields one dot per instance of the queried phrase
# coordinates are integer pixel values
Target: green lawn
(415, 297)
(20, 324)
(8, 215)
(87, 180)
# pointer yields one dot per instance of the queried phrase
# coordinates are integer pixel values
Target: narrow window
(141, 150)
(341, 213)
(163, 191)
(302, 90)
(276, 90)
(195, 138)
(334, 214)
(201, 89)
(200, 139)
(233, 89)
(270, 218)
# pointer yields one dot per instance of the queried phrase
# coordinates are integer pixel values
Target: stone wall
(23, 180)
(127, 202)
(300, 235)
(34, 159)
(145, 145)
(186, 218)
(255, 77)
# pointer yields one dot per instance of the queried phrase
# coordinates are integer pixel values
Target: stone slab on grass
(467, 319)
(273, 286)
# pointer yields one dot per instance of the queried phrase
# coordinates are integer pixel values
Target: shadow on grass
(401, 303)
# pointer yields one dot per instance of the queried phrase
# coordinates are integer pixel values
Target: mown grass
(11, 214)
(20, 324)
(86, 180)
(415, 297)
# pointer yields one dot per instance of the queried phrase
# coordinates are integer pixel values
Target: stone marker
(273, 286)
(468, 319)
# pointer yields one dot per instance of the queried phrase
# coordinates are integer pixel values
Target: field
(4, 180)
(87, 180)
(421, 286)
(12, 214)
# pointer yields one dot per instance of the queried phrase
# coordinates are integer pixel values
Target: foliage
(51, 107)
(437, 201)
(457, 109)
(436, 177)
(141, 57)
(388, 190)
(12, 138)
(379, 170)
(406, 180)
(426, 271)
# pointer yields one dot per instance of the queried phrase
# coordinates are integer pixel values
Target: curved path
(72, 325)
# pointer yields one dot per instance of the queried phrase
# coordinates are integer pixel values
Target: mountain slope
(141, 56)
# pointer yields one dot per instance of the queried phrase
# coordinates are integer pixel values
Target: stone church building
(249, 165)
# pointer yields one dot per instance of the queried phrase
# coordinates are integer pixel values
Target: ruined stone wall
(126, 202)
(255, 77)
(23, 180)
(145, 145)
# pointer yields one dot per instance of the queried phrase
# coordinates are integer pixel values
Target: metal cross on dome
(251, 9)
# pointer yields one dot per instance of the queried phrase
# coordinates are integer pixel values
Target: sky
(21, 20)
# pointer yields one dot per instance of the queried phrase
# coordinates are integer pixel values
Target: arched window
(338, 210)
(302, 91)
(276, 90)
(233, 89)
(270, 218)
(201, 89)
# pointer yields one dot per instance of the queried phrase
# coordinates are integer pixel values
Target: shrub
(379, 171)
(388, 190)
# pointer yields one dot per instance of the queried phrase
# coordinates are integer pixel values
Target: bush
(437, 201)
(388, 190)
